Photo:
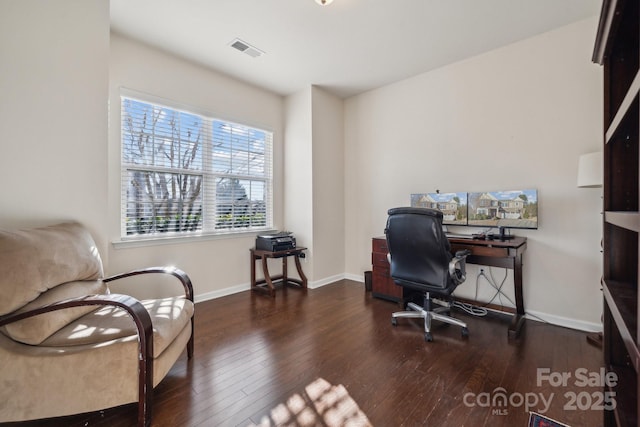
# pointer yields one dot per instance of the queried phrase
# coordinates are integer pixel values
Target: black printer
(279, 241)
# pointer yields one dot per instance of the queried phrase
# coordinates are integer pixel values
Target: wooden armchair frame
(142, 321)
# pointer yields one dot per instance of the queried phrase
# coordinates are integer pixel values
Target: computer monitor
(452, 205)
(504, 209)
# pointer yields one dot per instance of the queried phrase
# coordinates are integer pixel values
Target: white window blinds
(185, 174)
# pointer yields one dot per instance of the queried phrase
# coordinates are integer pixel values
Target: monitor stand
(502, 236)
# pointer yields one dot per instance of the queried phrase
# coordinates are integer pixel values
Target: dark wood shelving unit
(617, 48)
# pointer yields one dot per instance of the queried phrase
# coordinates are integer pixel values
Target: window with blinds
(187, 174)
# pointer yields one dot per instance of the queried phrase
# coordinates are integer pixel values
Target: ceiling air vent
(245, 47)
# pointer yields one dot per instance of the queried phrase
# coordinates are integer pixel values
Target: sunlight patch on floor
(319, 404)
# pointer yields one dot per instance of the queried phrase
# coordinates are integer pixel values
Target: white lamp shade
(590, 170)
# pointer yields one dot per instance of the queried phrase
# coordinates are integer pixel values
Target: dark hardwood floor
(330, 356)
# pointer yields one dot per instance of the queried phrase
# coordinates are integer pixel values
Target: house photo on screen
(509, 209)
(452, 205)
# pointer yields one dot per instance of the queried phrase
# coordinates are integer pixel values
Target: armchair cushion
(34, 330)
(170, 316)
(38, 259)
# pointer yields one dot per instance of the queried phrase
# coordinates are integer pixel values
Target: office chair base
(418, 312)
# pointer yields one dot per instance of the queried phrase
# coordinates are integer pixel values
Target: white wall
(328, 186)
(53, 113)
(217, 266)
(298, 173)
(517, 117)
(314, 181)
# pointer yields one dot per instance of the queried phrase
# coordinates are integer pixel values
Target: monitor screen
(510, 209)
(452, 205)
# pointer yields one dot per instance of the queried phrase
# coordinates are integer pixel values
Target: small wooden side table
(267, 285)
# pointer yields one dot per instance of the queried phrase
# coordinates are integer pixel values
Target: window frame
(209, 223)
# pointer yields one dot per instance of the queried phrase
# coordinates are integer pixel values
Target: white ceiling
(347, 47)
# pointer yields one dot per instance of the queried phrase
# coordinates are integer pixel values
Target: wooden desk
(505, 254)
(267, 284)
(495, 253)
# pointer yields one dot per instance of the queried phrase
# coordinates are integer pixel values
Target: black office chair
(421, 260)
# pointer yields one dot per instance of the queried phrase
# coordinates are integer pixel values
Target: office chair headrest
(419, 211)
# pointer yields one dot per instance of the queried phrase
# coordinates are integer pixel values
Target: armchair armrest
(457, 266)
(144, 328)
(176, 272)
(181, 276)
(128, 303)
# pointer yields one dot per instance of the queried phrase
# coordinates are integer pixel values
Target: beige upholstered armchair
(67, 345)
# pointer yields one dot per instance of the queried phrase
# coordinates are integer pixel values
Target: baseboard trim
(222, 292)
(563, 321)
(354, 277)
(245, 287)
(326, 281)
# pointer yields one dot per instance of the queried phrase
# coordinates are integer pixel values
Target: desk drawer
(379, 259)
(382, 284)
(478, 250)
(384, 287)
(383, 269)
(380, 245)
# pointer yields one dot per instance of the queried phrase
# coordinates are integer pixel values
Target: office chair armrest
(463, 254)
(457, 266)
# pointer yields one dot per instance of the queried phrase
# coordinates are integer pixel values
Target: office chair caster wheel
(465, 332)
(394, 321)
(428, 337)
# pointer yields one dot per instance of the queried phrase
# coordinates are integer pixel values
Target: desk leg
(285, 267)
(303, 278)
(267, 278)
(253, 269)
(518, 318)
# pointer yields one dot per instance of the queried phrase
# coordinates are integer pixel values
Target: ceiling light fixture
(323, 2)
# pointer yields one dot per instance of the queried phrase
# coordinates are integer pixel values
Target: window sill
(137, 242)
